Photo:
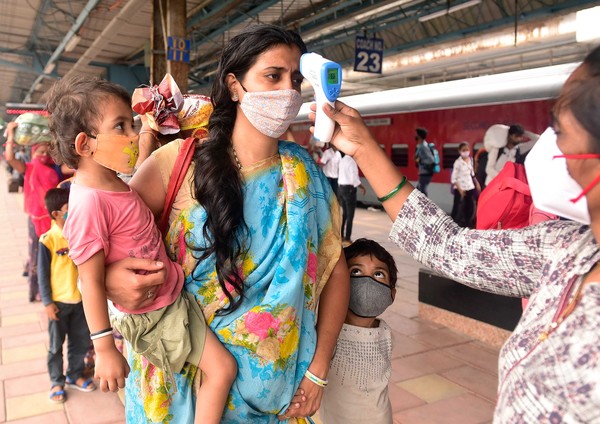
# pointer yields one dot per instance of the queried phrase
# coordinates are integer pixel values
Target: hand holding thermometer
(326, 78)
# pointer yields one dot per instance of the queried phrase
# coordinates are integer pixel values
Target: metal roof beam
(252, 13)
(108, 34)
(202, 15)
(91, 5)
(22, 68)
(224, 28)
(39, 18)
(349, 33)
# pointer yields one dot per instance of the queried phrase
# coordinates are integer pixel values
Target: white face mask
(465, 154)
(552, 188)
(271, 112)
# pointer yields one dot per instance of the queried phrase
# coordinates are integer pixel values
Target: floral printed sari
(293, 246)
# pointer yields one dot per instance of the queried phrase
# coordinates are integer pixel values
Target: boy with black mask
(357, 389)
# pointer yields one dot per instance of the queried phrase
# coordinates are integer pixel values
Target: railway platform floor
(439, 375)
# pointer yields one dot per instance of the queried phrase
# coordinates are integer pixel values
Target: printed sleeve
(44, 259)
(86, 229)
(507, 262)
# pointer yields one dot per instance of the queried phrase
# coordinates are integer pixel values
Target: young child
(357, 388)
(57, 277)
(92, 124)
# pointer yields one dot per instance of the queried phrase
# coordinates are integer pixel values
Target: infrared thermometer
(326, 78)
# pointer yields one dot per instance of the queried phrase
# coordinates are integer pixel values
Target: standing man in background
(331, 163)
(424, 159)
(515, 150)
(348, 181)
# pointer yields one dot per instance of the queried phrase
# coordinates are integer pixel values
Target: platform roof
(424, 41)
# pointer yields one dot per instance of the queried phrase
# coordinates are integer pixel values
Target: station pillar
(168, 20)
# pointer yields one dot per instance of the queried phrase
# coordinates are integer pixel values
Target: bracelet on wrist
(149, 132)
(97, 333)
(318, 381)
(101, 335)
(394, 191)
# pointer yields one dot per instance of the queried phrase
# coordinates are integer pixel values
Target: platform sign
(178, 49)
(368, 54)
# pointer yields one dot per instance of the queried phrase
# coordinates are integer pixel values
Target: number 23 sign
(368, 54)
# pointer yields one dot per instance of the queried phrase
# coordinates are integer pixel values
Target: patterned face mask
(116, 152)
(271, 112)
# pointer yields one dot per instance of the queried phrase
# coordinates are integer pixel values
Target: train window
(400, 154)
(449, 155)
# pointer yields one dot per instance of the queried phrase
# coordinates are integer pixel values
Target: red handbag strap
(182, 163)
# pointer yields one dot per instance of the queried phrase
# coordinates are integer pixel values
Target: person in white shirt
(515, 151)
(331, 163)
(465, 187)
(348, 181)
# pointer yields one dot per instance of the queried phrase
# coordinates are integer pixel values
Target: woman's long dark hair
(217, 180)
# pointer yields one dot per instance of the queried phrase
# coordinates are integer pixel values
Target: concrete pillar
(169, 15)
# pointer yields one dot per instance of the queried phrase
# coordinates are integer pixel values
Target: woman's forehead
(279, 56)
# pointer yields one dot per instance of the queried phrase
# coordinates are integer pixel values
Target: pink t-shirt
(121, 224)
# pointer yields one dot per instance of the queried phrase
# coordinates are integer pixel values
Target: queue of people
(253, 254)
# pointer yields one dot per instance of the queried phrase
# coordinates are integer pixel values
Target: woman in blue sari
(256, 228)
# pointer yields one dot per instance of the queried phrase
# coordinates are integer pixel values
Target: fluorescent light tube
(451, 9)
(75, 39)
(49, 67)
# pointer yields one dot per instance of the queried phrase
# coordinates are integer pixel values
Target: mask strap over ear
(579, 156)
(587, 189)
(591, 185)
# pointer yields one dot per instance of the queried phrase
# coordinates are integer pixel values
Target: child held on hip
(92, 124)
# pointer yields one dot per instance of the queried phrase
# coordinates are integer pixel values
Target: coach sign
(368, 54)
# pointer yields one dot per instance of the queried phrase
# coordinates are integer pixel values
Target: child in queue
(92, 124)
(357, 390)
(57, 277)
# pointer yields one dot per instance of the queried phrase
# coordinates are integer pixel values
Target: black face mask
(368, 297)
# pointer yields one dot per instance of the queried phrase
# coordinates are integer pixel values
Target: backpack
(482, 158)
(436, 158)
(506, 201)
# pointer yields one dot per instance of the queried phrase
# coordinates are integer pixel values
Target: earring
(235, 97)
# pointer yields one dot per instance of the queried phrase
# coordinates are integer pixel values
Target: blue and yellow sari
(294, 244)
